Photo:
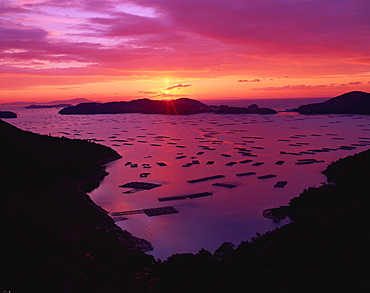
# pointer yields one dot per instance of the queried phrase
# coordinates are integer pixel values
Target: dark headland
(183, 106)
(53, 237)
(8, 114)
(355, 102)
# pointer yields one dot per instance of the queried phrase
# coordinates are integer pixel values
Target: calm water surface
(229, 214)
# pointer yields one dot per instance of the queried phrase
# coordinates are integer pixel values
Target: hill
(355, 102)
(145, 106)
(183, 106)
(54, 238)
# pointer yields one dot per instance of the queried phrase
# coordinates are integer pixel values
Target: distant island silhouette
(8, 114)
(355, 102)
(37, 106)
(182, 106)
(252, 109)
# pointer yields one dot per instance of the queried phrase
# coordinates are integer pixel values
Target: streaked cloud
(249, 80)
(192, 40)
(178, 86)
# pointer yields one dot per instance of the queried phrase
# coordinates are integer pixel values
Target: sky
(116, 50)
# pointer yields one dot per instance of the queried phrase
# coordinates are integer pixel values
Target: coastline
(50, 224)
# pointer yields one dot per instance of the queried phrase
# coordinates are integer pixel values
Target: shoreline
(50, 224)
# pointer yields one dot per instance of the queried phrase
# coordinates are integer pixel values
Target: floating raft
(118, 219)
(210, 162)
(149, 212)
(126, 213)
(307, 161)
(206, 178)
(245, 174)
(347, 148)
(224, 185)
(258, 164)
(279, 162)
(160, 211)
(280, 184)
(230, 164)
(245, 161)
(249, 155)
(196, 195)
(179, 197)
(140, 185)
(266, 176)
(144, 175)
(162, 164)
(172, 198)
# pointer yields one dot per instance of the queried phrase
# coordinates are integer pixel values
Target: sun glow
(153, 49)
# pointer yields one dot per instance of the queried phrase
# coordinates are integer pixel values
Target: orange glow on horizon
(155, 50)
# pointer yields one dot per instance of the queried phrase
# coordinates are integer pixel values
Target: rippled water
(229, 214)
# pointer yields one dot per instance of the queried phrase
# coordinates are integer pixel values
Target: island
(182, 106)
(37, 106)
(252, 109)
(8, 114)
(355, 102)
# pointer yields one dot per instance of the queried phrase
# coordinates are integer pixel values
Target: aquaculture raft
(245, 174)
(266, 176)
(280, 184)
(140, 185)
(149, 212)
(179, 197)
(206, 178)
(224, 185)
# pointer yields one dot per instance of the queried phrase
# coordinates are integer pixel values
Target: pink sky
(203, 49)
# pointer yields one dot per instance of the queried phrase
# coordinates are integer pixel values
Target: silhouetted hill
(37, 106)
(145, 106)
(54, 238)
(349, 103)
(7, 114)
(252, 109)
(183, 106)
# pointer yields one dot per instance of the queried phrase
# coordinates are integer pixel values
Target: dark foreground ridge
(349, 103)
(183, 106)
(7, 114)
(53, 237)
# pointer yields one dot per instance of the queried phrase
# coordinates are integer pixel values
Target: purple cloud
(250, 80)
(293, 87)
(178, 86)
